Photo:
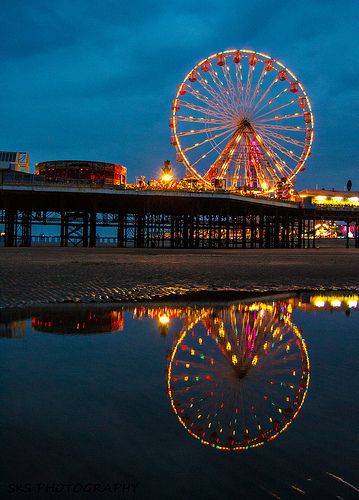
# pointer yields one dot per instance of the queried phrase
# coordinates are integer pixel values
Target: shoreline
(38, 276)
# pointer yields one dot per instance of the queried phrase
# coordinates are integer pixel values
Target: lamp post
(167, 174)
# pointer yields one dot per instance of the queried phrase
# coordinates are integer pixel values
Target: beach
(31, 276)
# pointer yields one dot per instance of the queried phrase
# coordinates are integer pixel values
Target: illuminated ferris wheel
(239, 378)
(243, 117)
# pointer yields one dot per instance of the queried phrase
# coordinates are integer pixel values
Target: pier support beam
(300, 232)
(10, 228)
(121, 231)
(244, 230)
(92, 240)
(74, 229)
(26, 229)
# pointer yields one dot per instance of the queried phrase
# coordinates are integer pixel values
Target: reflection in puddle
(237, 374)
(81, 322)
(238, 377)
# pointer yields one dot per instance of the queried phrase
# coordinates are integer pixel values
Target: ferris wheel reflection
(238, 376)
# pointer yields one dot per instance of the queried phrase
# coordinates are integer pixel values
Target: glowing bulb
(166, 178)
(335, 303)
(164, 319)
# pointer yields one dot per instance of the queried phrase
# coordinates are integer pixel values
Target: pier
(154, 218)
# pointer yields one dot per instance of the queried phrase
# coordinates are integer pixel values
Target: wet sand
(50, 275)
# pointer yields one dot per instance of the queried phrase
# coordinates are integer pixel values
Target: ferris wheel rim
(278, 66)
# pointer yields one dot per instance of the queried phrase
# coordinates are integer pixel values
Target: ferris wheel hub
(241, 372)
(244, 123)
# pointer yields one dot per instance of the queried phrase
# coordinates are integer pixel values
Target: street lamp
(167, 174)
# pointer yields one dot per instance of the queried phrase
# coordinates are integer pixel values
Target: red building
(93, 172)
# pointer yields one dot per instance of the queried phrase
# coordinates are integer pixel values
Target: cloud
(96, 79)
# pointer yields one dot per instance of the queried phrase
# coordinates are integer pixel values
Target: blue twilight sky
(86, 79)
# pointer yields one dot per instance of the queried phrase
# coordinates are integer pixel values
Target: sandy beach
(50, 275)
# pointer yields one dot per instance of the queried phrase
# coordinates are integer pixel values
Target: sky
(94, 80)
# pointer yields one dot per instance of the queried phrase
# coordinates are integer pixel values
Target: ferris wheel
(239, 378)
(243, 117)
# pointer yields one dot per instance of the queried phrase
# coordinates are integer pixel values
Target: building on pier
(87, 172)
(329, 199)
(14, 160)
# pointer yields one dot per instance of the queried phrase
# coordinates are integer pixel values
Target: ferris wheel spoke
(239, 85)
(194, 119)
(275, 168)
(217, 98)
(290, 154)
(285, 138)
(221, 89)
(231, 87)
(232, 84)
(231, 146)
(209, 139)
(287, 128)
(276, 109)
(268, 103)
(280, 117)
(258, 86)
(265, 93)
(216, 80)
(204, 130)
(203, 110)
(214, 148)
(279, 164)
(248, 87)
(215, 104)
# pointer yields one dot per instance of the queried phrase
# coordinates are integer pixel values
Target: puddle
(252, 397)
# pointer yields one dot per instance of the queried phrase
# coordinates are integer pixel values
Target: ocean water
(256, 398)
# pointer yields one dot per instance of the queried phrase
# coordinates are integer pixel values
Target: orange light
(167, 178)
(164, 319)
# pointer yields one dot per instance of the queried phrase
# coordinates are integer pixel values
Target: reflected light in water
(79, 321)
(238, 377)
(164, 319)
(333, 301)
(237, 373)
